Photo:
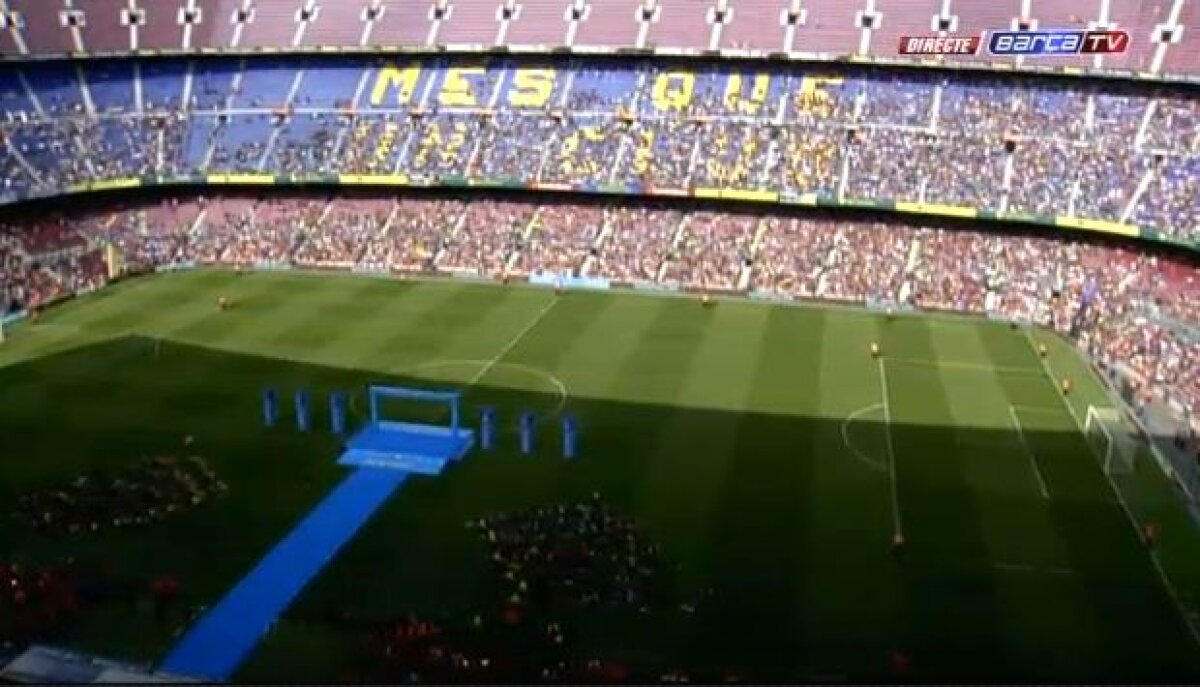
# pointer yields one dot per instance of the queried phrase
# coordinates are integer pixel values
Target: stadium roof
(1162, 40)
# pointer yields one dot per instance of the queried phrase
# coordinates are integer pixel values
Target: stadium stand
(991, 143)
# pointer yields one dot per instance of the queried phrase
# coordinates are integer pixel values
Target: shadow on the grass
(789, 524)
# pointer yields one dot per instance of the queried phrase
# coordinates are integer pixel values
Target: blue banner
(887, 305)
(556, 280)
(653, 286)
(371, 271)
(175, 267)
(270, 265)
(768, 296)
(13, 317)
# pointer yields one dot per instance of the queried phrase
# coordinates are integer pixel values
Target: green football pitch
(761, 445)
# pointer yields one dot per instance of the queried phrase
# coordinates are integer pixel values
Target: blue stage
(384, 453)
(420, 449)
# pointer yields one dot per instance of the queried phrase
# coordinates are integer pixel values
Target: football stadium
(600, 341)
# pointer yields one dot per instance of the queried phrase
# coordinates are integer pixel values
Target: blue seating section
(905, 136)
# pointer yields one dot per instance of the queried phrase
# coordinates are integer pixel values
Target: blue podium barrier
(526, 430)
(270, 405)
(302, 411)
(487, 428)
(570, 437)
(337, 412)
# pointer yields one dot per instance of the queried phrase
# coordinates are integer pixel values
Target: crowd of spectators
(998, 143)
(250, 231)
(142, 493)
(44, 260)
(339, 239)
(418, 231)
(561, 240)
(867, 263)
(154, 234)
(793, 256)
(713, 252)
(636, 244)
(487, 235)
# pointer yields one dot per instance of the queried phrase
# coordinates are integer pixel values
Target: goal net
(1112, 438)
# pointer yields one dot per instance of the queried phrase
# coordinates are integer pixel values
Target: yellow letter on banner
(644, 153)
(404, 80)
(456, 142)
(813, 96)
(736, 101)
(531, 88)
(673, 90)
(387, 140)
(457, 89)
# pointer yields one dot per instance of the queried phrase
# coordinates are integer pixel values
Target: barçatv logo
(1014, 43)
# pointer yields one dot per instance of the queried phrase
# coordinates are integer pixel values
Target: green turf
(757, 443)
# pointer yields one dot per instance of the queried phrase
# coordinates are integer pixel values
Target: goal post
(1112, 438)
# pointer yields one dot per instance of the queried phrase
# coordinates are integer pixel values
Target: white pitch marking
(897, 522)
(864, 458)
(1039, 409)
(970, 367)
(1037, 471)
(513, 342)
(559, 386)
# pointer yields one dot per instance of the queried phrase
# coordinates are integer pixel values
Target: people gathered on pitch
(578, 555)
(554, 567)
(140, 494)
(41, 603)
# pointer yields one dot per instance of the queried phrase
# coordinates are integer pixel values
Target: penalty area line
(968, 367)
(1037, 471)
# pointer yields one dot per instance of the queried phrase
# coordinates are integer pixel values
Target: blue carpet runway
(226, 634)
